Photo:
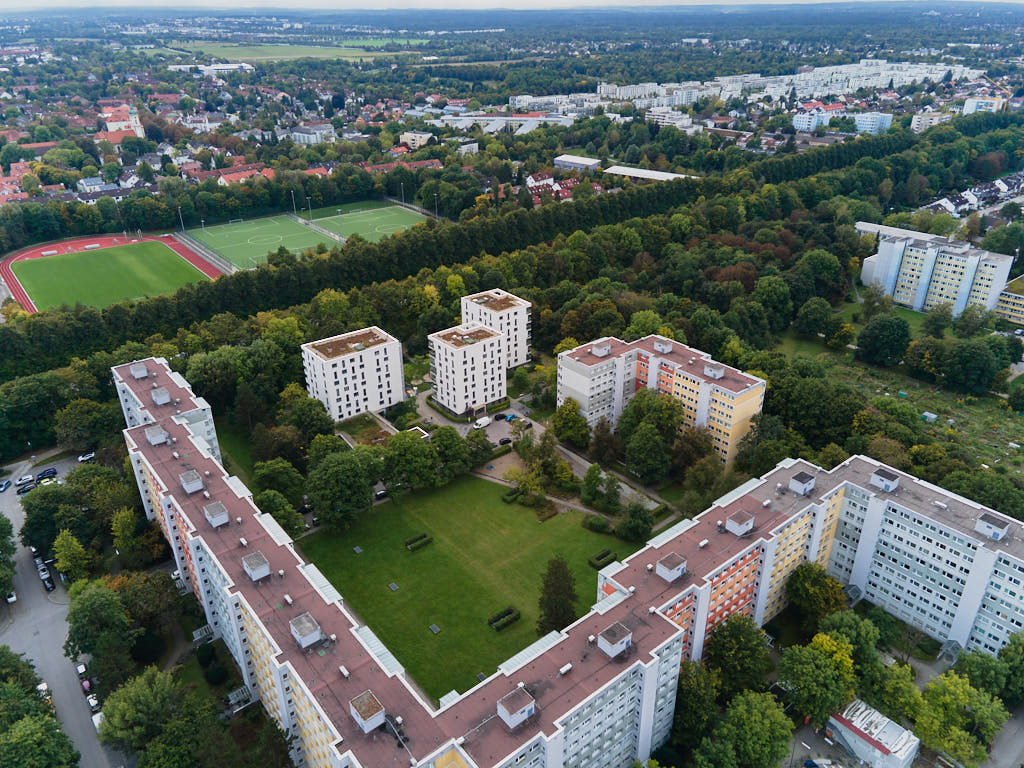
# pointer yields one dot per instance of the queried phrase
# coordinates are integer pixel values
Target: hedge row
(601, 559)
(509, 618)
(499, 406)
(418, 542)
(501, 614)
(596, 523)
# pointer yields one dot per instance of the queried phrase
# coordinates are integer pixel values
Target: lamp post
(309, 202)
(294, 211)
(181, 219)
(339, 223)
(402, 183)
(435, 205)
(202, 223)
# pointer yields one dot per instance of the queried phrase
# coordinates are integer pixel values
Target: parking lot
(36, 626)
(496, 431)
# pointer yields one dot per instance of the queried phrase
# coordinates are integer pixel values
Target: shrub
(206, 654)
(508, 620)
(501, 450)
(501, 615)
(601, 559)
(510, 496)
(414, 539)
(419, 544)
(499, 406)
(216, 674)
(147, 648)
(596, 523)
(545, 511)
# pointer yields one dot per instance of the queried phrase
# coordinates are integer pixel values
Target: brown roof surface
(462, 336)
(160, 376)
(366, 705)
(515, 701)
(496, 301)
(347, 343)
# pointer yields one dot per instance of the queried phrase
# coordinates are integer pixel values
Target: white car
(86, 457)
(25, 480)
(94, 703)
(12, 598)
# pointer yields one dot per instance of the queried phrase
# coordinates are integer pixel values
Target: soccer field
(485, 556)
(370, 221)
(246, 243)
(104, 276)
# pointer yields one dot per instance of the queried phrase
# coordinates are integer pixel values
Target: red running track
(104, 241)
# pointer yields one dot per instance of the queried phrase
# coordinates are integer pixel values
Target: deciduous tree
(884, 340)
(696, 705)
(569, 424)
(814, 593)
(819, 676)
(737, 652)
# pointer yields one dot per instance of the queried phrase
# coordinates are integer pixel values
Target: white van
(481, 423)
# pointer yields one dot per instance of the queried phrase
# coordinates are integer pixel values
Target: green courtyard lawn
(236, 449)
(914, 319)
(486, 555)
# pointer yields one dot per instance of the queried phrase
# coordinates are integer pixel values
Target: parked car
(86, 685)
(25, 480)
(43, 571)
(48, 584)
(481, 422)
(48, 472)
(49, 481)
(4, 485)
(33, 550)
(81, 671)
(86, 457)
(527, 424)
(381, 494)
(11, 598)
(94, 703)
(499, 416)
(512, 417)
(26, 488)
(505, 441)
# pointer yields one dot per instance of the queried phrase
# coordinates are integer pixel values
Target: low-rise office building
(920, 271)
(506, 313)
(467, 365)
(355, 372)
(599, 693)
(602, 377)
(575, 163)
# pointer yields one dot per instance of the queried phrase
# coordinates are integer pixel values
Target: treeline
(778, 169)
(50, 339)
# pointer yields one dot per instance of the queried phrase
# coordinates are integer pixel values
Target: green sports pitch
(105, 276)
(370, 221)
(246, 243)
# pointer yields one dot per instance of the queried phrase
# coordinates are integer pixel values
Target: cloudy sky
(341, 5)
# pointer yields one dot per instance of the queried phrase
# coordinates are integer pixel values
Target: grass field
(486, 555)
(236, 449)
(105, 276)
(983, 425)
(370, 223)
(272, 52)
(246, 243)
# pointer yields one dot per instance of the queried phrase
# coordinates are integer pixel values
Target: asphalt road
(36, 626)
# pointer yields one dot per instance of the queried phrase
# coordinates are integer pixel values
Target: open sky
(339, 5)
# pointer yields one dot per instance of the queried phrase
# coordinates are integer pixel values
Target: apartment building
(467, 365)
(983, 104)
(922, 121)
(601, 692)
(603, 375)
(506, 313)
(1010, 305)
(355, 372)
(920, 270)
(809, 121)
(872, 122)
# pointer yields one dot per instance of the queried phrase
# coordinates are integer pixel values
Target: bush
(596, 523)
(414, 539)
(601, 559)
(419, 544)
(501, 450)
(510, 496)
(545, 511)
(505, 621)
(501, 614)
(206, 654)
(216, 674)
(499, 406)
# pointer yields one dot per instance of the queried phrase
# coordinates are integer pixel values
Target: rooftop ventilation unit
(305, 630)
(615, 639)
(802, 483)
(243, 541)
(601, 350)
(367, 711)
(703, 543)
(671, 567)
(344, 670)
(740, 523)
(662, 345)
(156, 435)
(514, 708)
(138, 370)
(885, 479)
(161, 396)
(191, 481)
(216, 514)
(256, 566)
(714, 370)
(992, 526)
(281, 573)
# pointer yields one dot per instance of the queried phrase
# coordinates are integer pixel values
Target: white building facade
(355, 372)
(467, 365)
(506, 313)
(921, 271)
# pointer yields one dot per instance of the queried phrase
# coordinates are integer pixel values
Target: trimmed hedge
(504, 619)
(546, 512)
(510, 496)
(418, 542)
(501, 450)
(501, 405)
(596, 523)
(601, 559)
(444, 411)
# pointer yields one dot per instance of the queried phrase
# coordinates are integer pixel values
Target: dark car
(4, 485)
(527, 424)
(381, 494)
(48, 585)
(26, 488)
(505, 441)
(499, 416)
(48, 472)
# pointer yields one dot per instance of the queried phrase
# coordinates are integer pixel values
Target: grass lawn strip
(105, 276)
(372, 224)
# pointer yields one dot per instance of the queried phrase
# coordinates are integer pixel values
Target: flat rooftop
(158, 376)
(687, 359)
(464, 335)
(1015, 286)
(348, 343)
(497, 300)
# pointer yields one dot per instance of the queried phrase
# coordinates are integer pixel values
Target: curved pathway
(77, 244)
